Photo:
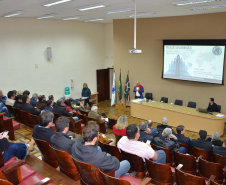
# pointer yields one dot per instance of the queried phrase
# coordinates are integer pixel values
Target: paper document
(136, 100)
(83, 98)
(219, 115)
(106, 119)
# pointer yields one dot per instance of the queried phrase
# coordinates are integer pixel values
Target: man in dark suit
(145, 132)
(28, 107)
(164, 125)
(61, 140)
(212, 106)
(43, 131)
(180, 135)
(60, 109)
(220, 150)
(18, 103)
(201, 142)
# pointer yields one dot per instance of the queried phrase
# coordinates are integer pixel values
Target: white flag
(113, 97)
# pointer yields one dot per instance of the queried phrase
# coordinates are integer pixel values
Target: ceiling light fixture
(93, 20)
(70, 18)
(12, 14)
(119, 11)
(95, 6)
(141, 14)
(51, 3)
(47, 16)
(208, 7)
(189, 2)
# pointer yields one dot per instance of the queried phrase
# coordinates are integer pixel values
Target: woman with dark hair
(41, 102)
(68, 105)
(86, 93)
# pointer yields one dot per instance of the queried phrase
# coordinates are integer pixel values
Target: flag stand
(120, 106)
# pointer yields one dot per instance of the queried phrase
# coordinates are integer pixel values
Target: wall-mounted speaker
(49, 53)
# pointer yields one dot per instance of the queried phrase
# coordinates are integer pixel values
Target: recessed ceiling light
(70, 18)
(119, 11)
(93, 20)
(95, 6)
(208, 7)
(46, 16)
(52, 3)
(12, 14)
(141, 14)
(189, 2)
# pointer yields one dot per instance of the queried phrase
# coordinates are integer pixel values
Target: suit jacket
(220, 150)
(41, 105)
(166, 143)
(202, 144)
(95, 115)
(61, 110)
(49, 108)
(215, 142)
(62, 142)
(18, 105)
(161, 127)
(184, 140)
(212, 108)
(29, 108)
(144, 136)
(33, 102)
(140, 91)
(42, 133)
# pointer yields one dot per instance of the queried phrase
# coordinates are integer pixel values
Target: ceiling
(162, 8)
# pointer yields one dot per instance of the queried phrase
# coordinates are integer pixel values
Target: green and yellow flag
(120, 88)
(127, 88)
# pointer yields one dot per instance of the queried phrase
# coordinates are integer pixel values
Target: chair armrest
(145, 181)
(8, 118)
(13, 167)
(108, 142)
(44, 181)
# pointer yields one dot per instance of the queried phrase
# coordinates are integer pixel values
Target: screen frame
(196, 42)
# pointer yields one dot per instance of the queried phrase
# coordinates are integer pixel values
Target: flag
(113, 97)
(120, 88)
(127, 88)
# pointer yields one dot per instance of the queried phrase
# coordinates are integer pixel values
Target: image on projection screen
(194, 63)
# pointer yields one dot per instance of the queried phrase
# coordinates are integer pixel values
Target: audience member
(145, 132)
(34, 99)
(43, 131)
(86, 93)
(18, 103)
(11, 98)
(93, 114)
(212, 107)
(164, 125)
(2, 97)
(51, 97)
(154, 132)
(68, 105)
(26, 93)
(80, 106)
(4, 109)
(88, 152)
(168, 140)
(61, 140)
(180, 136)
(131, 144)
(121, 125)
(14, 92)
(26, 106)
(215, 139)
(20, 92)
(201, 142)
(41, 102)
(49, 106)
(220, 150)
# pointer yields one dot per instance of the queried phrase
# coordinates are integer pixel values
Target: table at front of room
(178, 115)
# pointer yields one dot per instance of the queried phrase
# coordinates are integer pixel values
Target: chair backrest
(67, 165)
(8, 125)
(159, 173)
(188, 179)
(112, 122)
(101, 124)
(47, 153)
(148, 96)
(75, 127)
(35, 119)
(56, 115)
(167, 151)
(206, 169)
(178, 102)
(15, 114)
(84, 112)
(84, 118)
(186, 147)
(164, 99)
(188, 161)
(28, 118)
(20, 115)
(191, 104)
(10, 109)
(89, 174)
(4, 180)
(117, 138)
(219, 159)
(218, 108)
(204, 153)
(113, 150)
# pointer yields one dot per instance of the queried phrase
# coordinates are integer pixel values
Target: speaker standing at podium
(138, 89)
(86, 93)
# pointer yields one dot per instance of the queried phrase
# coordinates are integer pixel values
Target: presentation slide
(194, 63)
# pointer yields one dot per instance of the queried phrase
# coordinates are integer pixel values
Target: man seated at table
(2, 97)
(94, 114)
(11, 98)
(145, 132)
(168, 140)
(164, 125)
(220, 150)
(138, 89)
(131, 145)
(212, 107)
(88, 152)
(26, 106)
(18, 103)
(215, 139)
(180, 136)
(154, 132)
(201, 143)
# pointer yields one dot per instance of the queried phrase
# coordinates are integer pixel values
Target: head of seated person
(60, 102)
(143, 126)
(11, 95)
(25, 99)
(150, 123)
(20, 92)
(46, 119)
(78, 103)
(133, 132)
(164, 121)
(41, 98)
(215, 136)
(26, 93)
(18, 98)
(62, 124)
(91, 133)
(51, 97)
(35, 96)
(202, 134)
(211, 101)
(94, 108)
(121, 123)
(49, 103)
(69, 102)
(14, 92)
(181, 129)
(167, 133)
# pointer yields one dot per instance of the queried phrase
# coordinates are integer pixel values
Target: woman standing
(86, 93)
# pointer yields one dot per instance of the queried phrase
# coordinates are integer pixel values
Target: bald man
(138, 89)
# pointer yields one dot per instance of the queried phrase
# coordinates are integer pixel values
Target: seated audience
(145, 132)
(212, 107)
(60, 109)
(26, 106)
(121, 125)
(20, 92)
(14, 92)
(34, 99)
(168, 140)
(94, 114)
(164, 125)
(180, 136)
(2, 97)
(61, 140)
(220, 150)
(41, 102)
(80, 106)
(18, 150)
(51, 97)
(11, 98)
(68, 105)
(131, 145)
(154, 132)
(18, 103)
(49, 106)
(43, 131)
(3, 108)
(215, 139)
(201, 142)
(88, 152)
(26, 93)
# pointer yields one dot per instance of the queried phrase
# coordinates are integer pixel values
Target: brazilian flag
(120, 88)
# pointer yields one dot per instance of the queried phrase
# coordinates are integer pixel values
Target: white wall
(109, 46)
(78, 49)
